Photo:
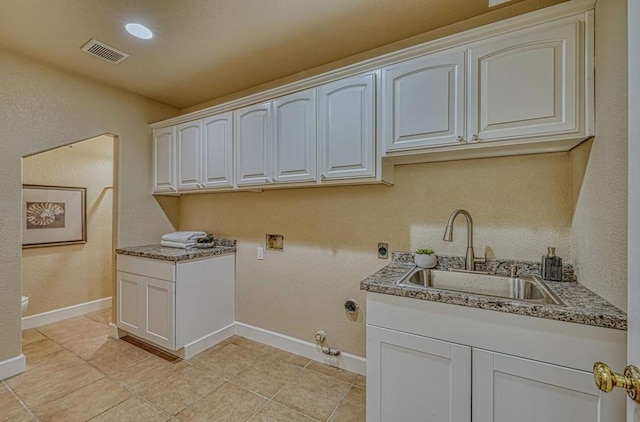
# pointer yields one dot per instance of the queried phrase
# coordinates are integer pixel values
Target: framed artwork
(53, 216)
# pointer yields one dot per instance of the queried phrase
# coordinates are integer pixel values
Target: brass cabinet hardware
(606, 380)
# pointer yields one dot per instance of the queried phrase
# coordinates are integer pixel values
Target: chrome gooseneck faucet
(470, 258)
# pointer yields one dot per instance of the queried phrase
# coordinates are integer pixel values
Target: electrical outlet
(260, 253)
(383, 250)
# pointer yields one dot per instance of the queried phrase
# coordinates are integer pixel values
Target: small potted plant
(205, 241)
(425, 258)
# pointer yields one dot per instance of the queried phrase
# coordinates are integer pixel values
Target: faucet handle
(513, 270)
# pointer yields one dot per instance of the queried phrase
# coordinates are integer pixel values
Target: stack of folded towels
(181, 240)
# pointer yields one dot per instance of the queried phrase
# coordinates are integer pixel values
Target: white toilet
(25, 303)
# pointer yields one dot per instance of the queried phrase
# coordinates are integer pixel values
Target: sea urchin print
(45, 215)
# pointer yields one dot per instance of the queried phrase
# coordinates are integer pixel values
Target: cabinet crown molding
(537, 17)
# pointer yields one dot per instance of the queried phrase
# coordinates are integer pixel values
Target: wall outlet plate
(383, 250)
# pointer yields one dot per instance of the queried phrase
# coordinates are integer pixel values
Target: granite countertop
(221, 247)
(582, 306)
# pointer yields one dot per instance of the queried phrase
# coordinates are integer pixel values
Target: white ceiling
(205, 49)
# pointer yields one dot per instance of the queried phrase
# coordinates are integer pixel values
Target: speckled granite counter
(221, 247)
(582, 306)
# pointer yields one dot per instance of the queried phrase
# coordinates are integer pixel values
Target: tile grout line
(269, 400)
(13, 393)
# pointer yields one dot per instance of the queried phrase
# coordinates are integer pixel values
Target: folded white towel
(180, 245)
(182, 237)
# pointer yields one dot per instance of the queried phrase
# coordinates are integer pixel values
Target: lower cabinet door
(159, 312)
(129, 299)
(414, 378)
(508, 389)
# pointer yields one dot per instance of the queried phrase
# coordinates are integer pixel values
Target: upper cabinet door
(507, 388)
(294, 137)
(346, 132)
(217, 151)
(188, 147)
(252, 127)
(527, 84)
(164, 172)
(423, 102)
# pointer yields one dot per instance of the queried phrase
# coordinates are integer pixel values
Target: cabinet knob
(267, 180)
(323, 176)
(475, 137)
(274, 180)
(460, 139)
(606, 380)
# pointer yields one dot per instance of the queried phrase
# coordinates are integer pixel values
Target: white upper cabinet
(164, 171)
(188, 147)
(252, 127)
(294, 137)
(528, 84)
(423, 102)
(346, 144)
(217, 151)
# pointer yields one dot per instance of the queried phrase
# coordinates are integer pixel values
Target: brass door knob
(606, 380)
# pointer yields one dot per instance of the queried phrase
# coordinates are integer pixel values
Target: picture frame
(53, 216)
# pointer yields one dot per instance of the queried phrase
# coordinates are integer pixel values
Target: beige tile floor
(76, 372)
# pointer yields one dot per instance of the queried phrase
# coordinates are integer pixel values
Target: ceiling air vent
(104, 51)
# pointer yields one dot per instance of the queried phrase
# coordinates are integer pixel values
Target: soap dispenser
(551, 268)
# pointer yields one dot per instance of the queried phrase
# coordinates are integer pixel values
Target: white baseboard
(347, 361)
(204, 343)
(56, 315)
(13, 366)
(114, 332)
(190, 349)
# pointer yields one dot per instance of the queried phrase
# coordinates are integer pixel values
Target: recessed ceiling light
(139, 31)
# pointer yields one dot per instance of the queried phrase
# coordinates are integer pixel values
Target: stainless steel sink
(524, 288)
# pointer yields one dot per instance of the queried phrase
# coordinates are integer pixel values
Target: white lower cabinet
(435, 362)
(175, 304)
(415, 378)
(507, 388)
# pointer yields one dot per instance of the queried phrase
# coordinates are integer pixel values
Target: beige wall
(599, 229)
(60, 276)
(43, 108)
(520, 205)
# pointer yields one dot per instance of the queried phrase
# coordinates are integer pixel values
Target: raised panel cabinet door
(423, 102)
(217, 151)
(294, 137)
(164, 174)
(129, 312)
(159, 305)
(252, 127)
(508, 388)
(527, 84)
(346, 132)
(413, 378)
(188, 147)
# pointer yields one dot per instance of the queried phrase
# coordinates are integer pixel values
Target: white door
(294, 137)
(416, 379)
(188, 147)
(423, 102)
(633, 249)
(164, 174)
(526, 84)
(129, 313)
(252, 126)
(508, 389)
(217, 151)
(347, 128)
(159, 311)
